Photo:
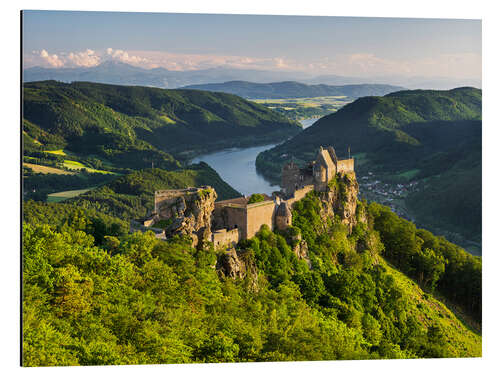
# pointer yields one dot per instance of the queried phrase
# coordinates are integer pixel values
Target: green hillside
(94, 295)
(407, 135)
(387, 124)
(136, 125)
(85, 130)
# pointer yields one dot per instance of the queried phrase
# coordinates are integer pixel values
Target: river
(236, 166)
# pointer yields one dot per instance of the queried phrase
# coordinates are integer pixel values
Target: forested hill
(93, 294)
(432, 136)
(291, 89)
(371, 124)
(125, 122)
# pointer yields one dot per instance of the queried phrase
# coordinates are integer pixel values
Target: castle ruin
(195, 212)
(316, 174)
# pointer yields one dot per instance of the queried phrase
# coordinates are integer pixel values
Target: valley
(305, 108)
(90, 192)
(237, 167)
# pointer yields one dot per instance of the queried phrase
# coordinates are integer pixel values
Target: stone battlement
(318, 172)
(223, 238)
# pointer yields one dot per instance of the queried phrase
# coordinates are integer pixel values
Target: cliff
(340, 198)
(189, 214)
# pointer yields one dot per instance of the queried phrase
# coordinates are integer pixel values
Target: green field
(167, 119)
(57, 152)
(316, 101)
(71, 164)
(301, 108)
(63, 195)
(45, 170)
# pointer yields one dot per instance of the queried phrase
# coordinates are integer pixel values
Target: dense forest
(434, 136)
(134, 125)
(96, 295)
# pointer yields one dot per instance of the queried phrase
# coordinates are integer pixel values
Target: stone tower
(283, 216)
(290, 176)
(324, 168)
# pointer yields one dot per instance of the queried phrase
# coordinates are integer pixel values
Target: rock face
(238, 266)
(341, 198)
(348, 200)
(231, 265)
(190, 214)
(300, 249)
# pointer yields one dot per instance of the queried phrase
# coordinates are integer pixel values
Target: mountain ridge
(164, 78)
(117, 121)
(293, 89)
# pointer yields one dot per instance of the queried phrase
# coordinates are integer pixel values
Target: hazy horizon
(343, 46)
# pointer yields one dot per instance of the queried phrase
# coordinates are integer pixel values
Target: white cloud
(361, 64)
(85, 58)
(123, 56)
(51, 60)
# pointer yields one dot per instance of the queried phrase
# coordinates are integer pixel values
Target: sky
(347, 46)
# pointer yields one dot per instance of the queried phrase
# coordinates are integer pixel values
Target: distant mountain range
(124, 74)
(291, 89)
(415, 82)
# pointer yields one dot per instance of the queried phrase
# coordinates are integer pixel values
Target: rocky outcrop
(190, 214)
(237, 266)
(300, 249)
(348, 199)
(230, 264)
(341, 198)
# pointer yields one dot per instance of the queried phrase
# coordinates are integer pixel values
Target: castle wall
(239, 200)
(326, 161)
(231, 217)
(344, 166)
(163, 207)
(225, 238)
(258, 214)
(299, 194)
(320, 185)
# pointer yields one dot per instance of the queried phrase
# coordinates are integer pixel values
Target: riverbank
(236, 166)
